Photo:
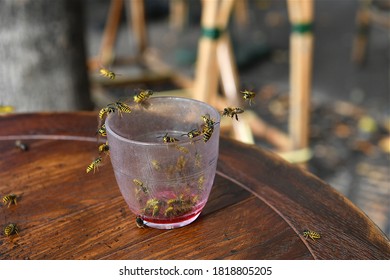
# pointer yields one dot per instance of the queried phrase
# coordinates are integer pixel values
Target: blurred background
(51, 53)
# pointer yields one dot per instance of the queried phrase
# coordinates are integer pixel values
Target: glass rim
(187, 141)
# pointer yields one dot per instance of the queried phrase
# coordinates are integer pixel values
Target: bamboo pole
(178, 14)
(361, 34)
(136, 11)
(241, 12)
(229, 76)
(206, 72)
(301, 52)
(106, 53)
(230, 83)
(225, 57)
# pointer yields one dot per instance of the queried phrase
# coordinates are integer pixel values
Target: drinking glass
(164, 170)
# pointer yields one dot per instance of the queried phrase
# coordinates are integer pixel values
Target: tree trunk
(42, 56)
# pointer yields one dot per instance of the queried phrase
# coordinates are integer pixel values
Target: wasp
(10, 199)
(121, 107)
(198, 160)
(208, 127)
(193, 133)
(184, 150)
(6, 109)
(94, 165)
(207, 132)
(168, 139)
(11, 229)
(156, 210)
(156, 165)
(169, 212)
(201, 183)
(184, 208)
(195, 199)
(180, 164)
(153, 206)
(171, 169)
(139, 222)
(179, 201)
(104, 148)
(142, 96)
(208, 121)
(248, 95)
(107, 73)
(106, 110)
(312, 234)
(173, 201)
(173, 205)
(102, 130)
(21, 146)
(141, 185)
(232, 112)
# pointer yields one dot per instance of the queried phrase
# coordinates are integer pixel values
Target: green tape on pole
(302, 28)
(212, 33)
(363, 29)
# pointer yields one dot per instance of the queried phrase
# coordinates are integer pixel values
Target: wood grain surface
(258, 207)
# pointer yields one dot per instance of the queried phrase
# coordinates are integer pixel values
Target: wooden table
(258, 207)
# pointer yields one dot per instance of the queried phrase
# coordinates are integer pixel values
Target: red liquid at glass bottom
(174, 222)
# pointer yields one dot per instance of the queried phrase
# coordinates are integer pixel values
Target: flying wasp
(312, 234)
(248, 95)
(232, 112)
(142, 96)
(94, 165)
(10, 199)
(11, 229)
(107, 73)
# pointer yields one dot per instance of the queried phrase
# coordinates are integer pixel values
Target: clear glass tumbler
(164, 169)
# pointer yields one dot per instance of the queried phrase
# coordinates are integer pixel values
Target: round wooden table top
(258, 208)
